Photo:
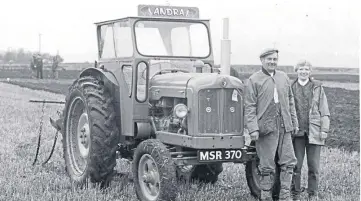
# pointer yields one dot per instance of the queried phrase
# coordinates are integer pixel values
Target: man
(33, 64)
(271, 118)
(55, 67)
(313, 116)
(39, 66)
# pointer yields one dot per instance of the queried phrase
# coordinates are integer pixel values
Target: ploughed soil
(343, 104)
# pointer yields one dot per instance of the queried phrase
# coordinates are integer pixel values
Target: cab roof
(151, 18)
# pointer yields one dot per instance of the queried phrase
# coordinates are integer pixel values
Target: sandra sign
(168, 11)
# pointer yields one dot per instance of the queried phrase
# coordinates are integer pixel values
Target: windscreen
(171, 38)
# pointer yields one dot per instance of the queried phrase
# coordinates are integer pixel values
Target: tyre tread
(104, 139)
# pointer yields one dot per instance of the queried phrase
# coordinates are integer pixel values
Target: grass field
(19, 180)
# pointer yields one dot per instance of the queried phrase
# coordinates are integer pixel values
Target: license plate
(219, 155)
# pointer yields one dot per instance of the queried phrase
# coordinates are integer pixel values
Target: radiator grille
(218, 113)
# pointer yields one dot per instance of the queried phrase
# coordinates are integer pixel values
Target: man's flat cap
(268, 51)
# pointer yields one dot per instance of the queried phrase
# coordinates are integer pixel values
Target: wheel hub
(83, 135)
(149, 178)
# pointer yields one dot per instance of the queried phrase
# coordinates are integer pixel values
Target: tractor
(155, 98)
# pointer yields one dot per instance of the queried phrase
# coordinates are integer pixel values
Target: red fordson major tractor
(155, 98)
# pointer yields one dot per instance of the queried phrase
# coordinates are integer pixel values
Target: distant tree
(28, 56)
(10, 56)
(22, 56)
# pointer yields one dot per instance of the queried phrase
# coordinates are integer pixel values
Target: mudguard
(109, 81)
(106, 76)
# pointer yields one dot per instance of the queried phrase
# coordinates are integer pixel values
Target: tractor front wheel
(90, 133)
(154, 172)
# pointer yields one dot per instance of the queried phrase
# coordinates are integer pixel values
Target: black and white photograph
(180, 100)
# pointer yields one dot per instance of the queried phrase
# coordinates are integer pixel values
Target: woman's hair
(302, 63)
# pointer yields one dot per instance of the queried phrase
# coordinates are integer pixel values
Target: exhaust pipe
(225, 49)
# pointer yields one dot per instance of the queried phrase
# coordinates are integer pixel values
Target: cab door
(116, 54)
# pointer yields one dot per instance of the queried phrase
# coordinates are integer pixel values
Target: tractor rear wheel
(154, 172)
(253, 179)
(90, 133)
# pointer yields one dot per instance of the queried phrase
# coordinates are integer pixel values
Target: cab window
(128, 77)
(107, 42)
(123, 39)
(142, 73)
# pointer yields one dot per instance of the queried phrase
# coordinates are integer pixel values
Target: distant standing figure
(54, 67)
(39, 67)
(33, 65)
(313, 117)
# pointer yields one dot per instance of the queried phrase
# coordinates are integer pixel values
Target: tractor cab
(159, 32)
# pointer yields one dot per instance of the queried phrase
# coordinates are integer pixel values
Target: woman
(313, 117)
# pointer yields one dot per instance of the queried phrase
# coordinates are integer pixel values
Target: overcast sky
(324, 31)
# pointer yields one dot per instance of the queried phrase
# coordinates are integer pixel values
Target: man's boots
(285, 180)
(266, 183)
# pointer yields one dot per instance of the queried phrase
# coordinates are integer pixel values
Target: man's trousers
(277, 142)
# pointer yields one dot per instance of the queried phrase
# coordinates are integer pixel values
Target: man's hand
(254, 136)
(323, 135)
(295, 131)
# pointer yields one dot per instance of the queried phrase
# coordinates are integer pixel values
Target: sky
(325, 32)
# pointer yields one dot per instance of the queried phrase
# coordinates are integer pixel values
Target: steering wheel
(171, 70)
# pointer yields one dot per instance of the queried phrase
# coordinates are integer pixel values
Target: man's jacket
(260, 114)
(319, 113)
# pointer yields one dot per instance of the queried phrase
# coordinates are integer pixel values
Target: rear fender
(106, 76)
(110, 83)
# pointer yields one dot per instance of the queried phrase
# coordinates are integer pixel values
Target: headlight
(180, 110)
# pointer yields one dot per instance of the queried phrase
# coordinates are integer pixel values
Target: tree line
(22, 56)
